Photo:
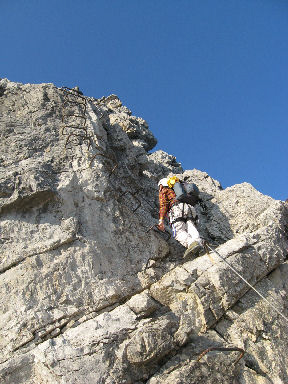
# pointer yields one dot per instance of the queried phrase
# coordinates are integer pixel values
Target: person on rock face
(182, 219)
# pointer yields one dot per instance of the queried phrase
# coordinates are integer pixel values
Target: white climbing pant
(184, 230)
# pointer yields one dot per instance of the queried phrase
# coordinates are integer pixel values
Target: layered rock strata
(89, 292)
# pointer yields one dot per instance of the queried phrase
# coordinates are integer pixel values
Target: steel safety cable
(251, 286)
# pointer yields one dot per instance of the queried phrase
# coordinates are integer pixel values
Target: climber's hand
(161, 226)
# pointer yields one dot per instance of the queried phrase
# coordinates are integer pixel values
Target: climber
(182, 218)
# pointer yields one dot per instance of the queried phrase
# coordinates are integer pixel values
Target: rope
(251, 286)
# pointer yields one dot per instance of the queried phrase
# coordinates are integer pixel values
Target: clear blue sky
(209, 76)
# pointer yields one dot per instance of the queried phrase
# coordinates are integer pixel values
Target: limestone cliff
(88, 293)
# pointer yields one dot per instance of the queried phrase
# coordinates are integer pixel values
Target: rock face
(89, 294)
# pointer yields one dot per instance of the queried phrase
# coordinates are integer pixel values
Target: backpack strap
(185, 219)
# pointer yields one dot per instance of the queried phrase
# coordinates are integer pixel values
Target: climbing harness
(245, 281)
(190, 216)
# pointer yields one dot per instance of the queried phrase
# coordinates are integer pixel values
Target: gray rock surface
(89, 293)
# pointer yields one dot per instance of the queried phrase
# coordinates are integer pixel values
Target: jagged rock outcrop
(88, 293)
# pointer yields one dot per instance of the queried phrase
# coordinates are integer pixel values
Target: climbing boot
(194, 249)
